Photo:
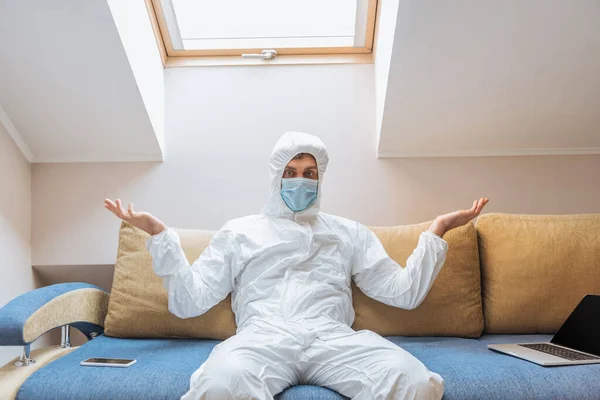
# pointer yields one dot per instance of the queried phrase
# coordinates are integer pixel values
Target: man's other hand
(142, 220)
(446, 222)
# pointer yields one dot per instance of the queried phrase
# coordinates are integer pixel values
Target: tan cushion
(138, 300)
(536, 269)
(452, 306)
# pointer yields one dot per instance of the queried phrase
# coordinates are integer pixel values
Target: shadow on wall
(15, 180)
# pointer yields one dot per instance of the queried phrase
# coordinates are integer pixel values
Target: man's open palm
(142, 220)
(459, 218)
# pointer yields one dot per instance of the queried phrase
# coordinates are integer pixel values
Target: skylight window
(235, 27)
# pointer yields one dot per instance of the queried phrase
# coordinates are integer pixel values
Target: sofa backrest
(536, 268)
(138, 302)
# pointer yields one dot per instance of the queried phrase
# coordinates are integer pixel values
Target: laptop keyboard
(559, 351)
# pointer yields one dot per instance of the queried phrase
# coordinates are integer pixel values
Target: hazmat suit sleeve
(382, 279)
(193, 290)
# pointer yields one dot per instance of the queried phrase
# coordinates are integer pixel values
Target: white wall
(135, 30)
(479, 77)
(221, 124)
(15, 228)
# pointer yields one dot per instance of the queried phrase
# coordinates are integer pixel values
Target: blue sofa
(508, 279)
(164, 366)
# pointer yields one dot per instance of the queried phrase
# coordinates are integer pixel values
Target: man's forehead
(305, 160)
(289, 166)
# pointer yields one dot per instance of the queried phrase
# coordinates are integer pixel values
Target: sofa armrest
(29, 316)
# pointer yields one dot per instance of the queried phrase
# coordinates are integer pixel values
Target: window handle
(264, 55)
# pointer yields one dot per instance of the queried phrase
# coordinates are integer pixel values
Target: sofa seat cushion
(164, 366)
(162, 371)
(472, 371)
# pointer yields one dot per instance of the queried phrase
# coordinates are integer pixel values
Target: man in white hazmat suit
(289, 270)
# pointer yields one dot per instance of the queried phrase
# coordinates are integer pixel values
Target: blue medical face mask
(299, 193)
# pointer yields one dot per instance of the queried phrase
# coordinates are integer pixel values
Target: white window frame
(317, 55)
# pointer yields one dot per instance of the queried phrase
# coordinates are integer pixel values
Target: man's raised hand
(142, 220)
(445, 222)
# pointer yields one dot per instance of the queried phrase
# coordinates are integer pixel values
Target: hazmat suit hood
(290, 144)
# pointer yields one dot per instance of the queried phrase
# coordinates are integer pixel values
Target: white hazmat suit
(289, 275)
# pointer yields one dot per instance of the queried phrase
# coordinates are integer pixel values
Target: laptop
(576, 342)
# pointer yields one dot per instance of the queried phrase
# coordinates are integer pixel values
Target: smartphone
(108, 362)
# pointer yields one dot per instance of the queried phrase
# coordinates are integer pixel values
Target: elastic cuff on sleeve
(431, 233)
(438, 239)
(154, 239)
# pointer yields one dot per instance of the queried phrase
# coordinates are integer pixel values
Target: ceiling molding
(490, 152)
(14, 134)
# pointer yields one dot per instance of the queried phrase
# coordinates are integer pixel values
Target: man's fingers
(109, 203)
(120, 209)
(474, 211)
(464, 216)
(130, 210)
(110, 207)
(471, 210)
(117, 209)
(479, 205)
(482, 202)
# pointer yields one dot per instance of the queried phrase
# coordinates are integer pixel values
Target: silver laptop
(576, 342)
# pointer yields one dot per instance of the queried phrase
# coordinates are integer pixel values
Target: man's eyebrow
(292, 168)
(313, 167)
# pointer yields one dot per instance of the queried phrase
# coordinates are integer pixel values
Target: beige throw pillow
(452, 306)
(138, 300)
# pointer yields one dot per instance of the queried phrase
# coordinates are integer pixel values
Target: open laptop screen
(581, 330)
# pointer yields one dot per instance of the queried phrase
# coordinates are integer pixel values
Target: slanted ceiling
(67, 90)
(454, 78)
(478, 78)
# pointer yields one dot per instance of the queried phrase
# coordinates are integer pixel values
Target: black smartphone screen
(108, 360)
